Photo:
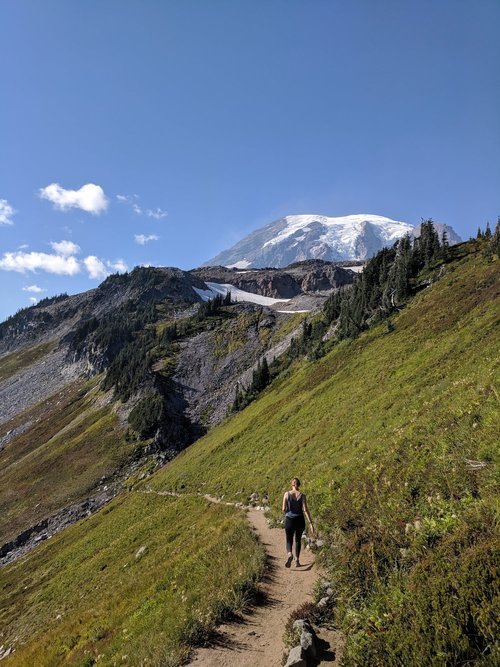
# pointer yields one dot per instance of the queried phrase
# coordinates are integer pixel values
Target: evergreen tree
(487, 233)
(445, 246)
(495, 239)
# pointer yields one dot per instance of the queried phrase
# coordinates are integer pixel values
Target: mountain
(94, 384)
(391, 423)
(296, 238)
(380, 396)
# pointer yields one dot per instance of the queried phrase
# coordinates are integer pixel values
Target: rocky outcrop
(210, 364)
(297, 279)
(44, 529)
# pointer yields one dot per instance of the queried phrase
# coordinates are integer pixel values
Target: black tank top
(294, 507)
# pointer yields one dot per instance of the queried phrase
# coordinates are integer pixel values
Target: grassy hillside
(135, 584)
(384, 431)
(71, 442)
(394, 435)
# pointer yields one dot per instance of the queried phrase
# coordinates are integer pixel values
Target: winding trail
(255, 639)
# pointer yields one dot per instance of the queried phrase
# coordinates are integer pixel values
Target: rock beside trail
(305, 654)
(295, 658)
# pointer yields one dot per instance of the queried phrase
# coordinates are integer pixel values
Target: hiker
(294, 508)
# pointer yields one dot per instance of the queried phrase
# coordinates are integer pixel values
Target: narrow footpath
(257, 637)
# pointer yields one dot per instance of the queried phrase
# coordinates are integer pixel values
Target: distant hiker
(294, 508)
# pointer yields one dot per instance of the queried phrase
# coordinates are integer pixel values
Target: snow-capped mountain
(295, 238)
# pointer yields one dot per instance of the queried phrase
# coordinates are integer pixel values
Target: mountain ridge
(391, 424)
(309, 236)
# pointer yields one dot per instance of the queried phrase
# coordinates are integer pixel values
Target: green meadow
(395, 438)
(136, 584)
(69, 445)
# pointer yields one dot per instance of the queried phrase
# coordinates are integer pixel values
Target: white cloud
(33, 300)
(33, 288)
(6, 212)
(65, 248)
(95, 267)
(157, 214)
(23, 246)
(89, 197)
(119, 266)
(33, 261)
(142, 239)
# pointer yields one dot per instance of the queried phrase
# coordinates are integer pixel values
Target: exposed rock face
(54, 318)
(210, 364)
(307, 276)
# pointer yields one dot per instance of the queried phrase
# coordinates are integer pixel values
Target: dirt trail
(256, 639)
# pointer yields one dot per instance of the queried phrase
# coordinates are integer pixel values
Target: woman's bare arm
(285, 500)
(306, 512)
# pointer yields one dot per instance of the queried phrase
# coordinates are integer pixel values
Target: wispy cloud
(156, 213)
(127, 199)
(142, 239)
(119, 266)
(65, 248)
(33, 261)
(89, 197)
(34, 288)
(6, 213)
(33, 300)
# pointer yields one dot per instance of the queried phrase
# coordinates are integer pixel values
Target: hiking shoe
(289, 561)
(297, 562)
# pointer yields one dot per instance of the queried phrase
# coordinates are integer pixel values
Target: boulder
(307, 638)
(296, 658)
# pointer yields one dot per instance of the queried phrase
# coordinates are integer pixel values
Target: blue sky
(212, 118)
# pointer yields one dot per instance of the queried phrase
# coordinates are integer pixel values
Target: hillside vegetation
(395, 436)
(71, 442)
(136, 584)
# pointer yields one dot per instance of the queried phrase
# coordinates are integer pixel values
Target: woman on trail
(294, 508)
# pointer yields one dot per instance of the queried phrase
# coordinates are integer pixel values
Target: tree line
(386, 283)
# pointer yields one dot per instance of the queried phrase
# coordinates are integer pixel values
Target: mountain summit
(296, 238)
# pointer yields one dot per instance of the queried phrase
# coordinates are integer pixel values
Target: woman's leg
(299, 529)
(289, 531)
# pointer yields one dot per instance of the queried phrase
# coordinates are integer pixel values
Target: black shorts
(295, 523)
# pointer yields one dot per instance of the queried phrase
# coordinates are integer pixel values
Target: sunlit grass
(59, 459)
(143, 578)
